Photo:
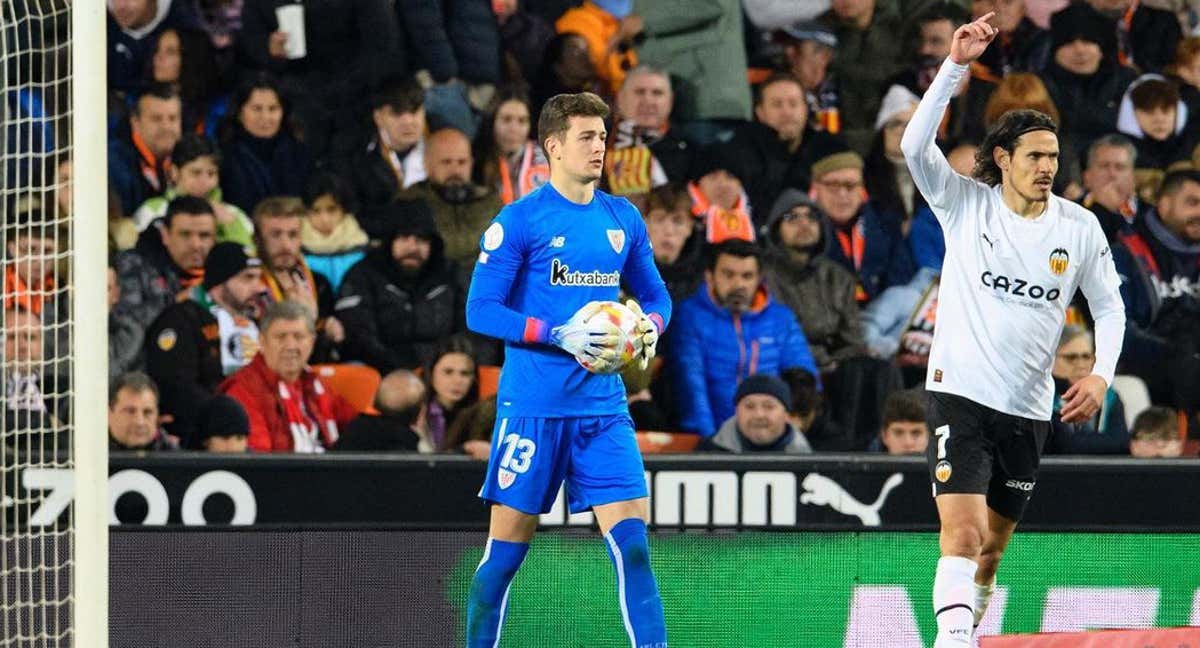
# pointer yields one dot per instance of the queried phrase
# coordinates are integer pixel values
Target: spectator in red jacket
(290, 410)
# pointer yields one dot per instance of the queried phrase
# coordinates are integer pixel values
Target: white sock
(953, 588)
(983, 596)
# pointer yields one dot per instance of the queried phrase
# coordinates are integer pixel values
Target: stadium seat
(355, 383)
(666, 442)
(489, 381)
(1134, 396)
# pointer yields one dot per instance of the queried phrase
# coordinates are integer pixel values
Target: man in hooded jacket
(399, 301)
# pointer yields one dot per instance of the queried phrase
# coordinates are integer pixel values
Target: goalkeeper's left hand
(647, 331)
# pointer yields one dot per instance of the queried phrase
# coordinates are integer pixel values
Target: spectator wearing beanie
(865, 238)
(195, 343)
(224, 426)
(718, 197)
(402, 298)
(760, 420)
(1085, 78)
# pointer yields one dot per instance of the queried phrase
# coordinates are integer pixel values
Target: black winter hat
(711, 158)
(221, 416)
(224, 262)
(1079, 21)
(764, 384)
(413, 218)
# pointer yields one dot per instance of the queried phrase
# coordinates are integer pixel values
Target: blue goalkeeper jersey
(542, 259)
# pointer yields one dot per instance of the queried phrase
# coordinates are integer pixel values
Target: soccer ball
(629, 346)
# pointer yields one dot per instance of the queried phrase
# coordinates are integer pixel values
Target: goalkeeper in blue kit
(546, 263)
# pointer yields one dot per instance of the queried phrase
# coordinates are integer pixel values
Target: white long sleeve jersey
(1006, 280)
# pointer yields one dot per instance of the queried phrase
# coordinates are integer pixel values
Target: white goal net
(50, 257)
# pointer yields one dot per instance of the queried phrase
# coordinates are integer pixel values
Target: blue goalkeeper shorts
(597, 456)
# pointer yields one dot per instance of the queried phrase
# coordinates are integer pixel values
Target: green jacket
(239, 230)
(866, 59)
(699, 42)
(460, 225)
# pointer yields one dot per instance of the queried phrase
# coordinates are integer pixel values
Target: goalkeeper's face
(579, 152)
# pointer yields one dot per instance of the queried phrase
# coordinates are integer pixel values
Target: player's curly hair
(1005, 133)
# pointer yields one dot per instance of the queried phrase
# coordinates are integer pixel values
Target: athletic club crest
(506, 478)
(1059, 260)
(616, 238)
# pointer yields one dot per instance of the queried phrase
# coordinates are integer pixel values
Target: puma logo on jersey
(1018, 287)
(991, 243)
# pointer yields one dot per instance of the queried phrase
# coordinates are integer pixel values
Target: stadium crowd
(297, 193)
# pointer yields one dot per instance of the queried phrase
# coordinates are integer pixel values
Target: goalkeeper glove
(594, 343)
(647, 333)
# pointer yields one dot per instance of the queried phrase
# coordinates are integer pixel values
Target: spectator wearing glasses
(1104, 433)
(865, 238)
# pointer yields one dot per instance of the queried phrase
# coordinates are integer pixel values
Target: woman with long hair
(451, 388)
(506, 158)
(264, 153)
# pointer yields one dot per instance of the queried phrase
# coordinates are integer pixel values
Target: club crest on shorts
(942, 471)
(616, 238)
(505, 478)
(1059, 260)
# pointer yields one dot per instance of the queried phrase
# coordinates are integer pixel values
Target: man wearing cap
(1085, 79)
(809, 48)
(864, 239)
(760, 420)
(402, 298)
(193, 344)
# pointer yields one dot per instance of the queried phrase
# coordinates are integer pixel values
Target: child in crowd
(330, 236)
(194, 171)
(1156, 434)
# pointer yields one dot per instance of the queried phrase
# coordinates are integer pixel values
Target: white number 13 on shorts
(517, 453)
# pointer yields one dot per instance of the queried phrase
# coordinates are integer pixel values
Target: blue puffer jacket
(712, 351)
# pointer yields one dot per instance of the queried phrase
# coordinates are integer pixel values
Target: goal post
(89, 242)
(53, 319)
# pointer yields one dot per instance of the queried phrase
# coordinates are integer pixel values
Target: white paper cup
(291, 22)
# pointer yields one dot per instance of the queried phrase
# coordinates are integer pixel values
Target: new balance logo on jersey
(558, 241)
(1017, 287)
(562, 275)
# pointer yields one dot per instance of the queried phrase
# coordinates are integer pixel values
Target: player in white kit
(1015, 255)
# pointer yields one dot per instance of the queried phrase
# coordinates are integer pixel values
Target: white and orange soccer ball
(630, 343)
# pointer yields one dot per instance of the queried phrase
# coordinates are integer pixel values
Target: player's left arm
(642, 277)
(1102, 286)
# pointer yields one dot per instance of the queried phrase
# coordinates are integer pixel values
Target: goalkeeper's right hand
(596, 342)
